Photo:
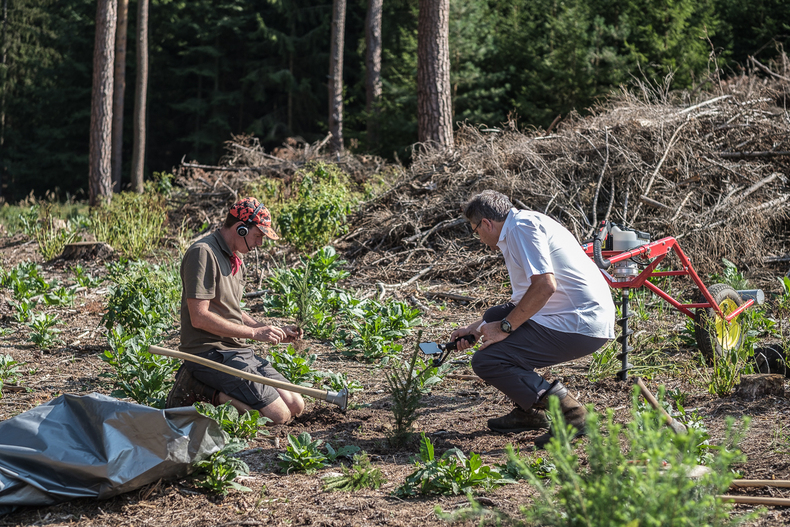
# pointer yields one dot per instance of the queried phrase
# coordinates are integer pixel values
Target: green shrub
(644, 482)
(732, 276)
(245, 426)
(143, 376)
(453, 473)
(143, 297)
(133, 224)
(318, 211)
(52, 233)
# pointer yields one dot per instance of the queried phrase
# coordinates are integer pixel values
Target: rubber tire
(705, 326)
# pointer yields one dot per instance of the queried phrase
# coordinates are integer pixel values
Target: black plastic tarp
(94, 446)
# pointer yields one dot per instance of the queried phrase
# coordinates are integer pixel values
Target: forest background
(260, 67)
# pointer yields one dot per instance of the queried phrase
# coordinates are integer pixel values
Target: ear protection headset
(244, 229)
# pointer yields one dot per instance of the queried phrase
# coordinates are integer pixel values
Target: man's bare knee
(293, 401)
(277, 411)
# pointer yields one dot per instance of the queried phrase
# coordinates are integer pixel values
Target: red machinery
(717, 328)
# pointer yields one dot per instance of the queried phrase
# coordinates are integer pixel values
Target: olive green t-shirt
(206, 275)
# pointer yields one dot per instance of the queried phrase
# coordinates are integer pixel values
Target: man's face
(253, 239)
(486, 232)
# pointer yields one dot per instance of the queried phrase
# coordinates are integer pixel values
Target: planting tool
(633, 260)
(676, 426)
(440, 352)
(339, 398)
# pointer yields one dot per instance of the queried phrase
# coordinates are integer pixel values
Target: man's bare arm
(203, 318)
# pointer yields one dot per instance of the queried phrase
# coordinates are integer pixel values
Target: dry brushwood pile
(713, 174)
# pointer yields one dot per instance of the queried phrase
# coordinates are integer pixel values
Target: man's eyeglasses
(474, 231)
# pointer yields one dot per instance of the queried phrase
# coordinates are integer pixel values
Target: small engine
(623, 239)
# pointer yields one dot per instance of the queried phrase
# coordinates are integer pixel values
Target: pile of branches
(712, 173)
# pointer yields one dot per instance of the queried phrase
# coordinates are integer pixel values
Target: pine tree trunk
(336, 75)
(140, 93)
(119, 90)
(99, 171)
(2, 98)
(373, 69)
(434, 110)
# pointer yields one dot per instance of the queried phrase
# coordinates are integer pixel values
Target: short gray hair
(489, 204)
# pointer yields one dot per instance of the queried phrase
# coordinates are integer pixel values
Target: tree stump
(87, 251)
(760, 385)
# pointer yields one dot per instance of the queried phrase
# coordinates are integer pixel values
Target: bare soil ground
(454, 416)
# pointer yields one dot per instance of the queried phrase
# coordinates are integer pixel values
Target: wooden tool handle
(312, 392)
(677, 427)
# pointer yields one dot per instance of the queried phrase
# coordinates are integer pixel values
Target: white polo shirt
(533, 243)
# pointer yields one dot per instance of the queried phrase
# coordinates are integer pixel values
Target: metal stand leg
(623, 339)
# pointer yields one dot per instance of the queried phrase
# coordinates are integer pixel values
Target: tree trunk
(99, 172)
(373, 69)
(119, 89)
(434, 110)
(140, 93)
(2, 99)
(336, 75)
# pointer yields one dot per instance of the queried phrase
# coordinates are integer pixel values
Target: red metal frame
(659, 250)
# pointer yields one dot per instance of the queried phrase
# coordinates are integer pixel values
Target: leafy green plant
(453, 473)
(318, 211)
(517, 463)
(644, 482)
(133, 224)
(221, 469)
(23, 310)
(245, 426)
(295, 367)
(346, 451)
(302, 455)
(9, 370)
(83, 278)
(376, 326)
(61, 296)
(361, 475)
(309, 284)
(25, 280)
(731, 276)
(44, 334)
(142, 297)
(143, 376)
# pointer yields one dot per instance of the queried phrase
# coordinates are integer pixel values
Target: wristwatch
(505, 326)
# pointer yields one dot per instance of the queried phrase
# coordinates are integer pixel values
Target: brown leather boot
(187, 391)
(519, 420)
(572, 410)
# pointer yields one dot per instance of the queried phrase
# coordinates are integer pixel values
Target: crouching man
(561, 309)
(214, 327)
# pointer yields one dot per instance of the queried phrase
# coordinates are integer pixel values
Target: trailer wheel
(714, 335)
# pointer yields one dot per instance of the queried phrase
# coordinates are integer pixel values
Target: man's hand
(491, 333)
(271, 334)
(292, 333)
(468, 330)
